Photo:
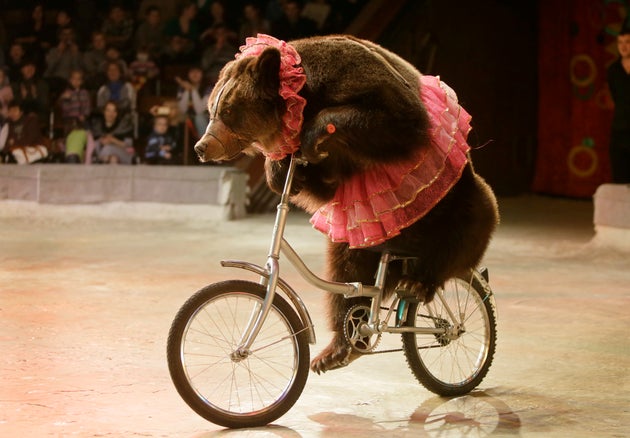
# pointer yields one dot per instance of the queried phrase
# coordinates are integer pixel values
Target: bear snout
(218, 143)
(210, 148)
(200, 149)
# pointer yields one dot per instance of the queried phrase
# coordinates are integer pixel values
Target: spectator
(176, 52)
(160, 143)
(112, 134)
(75, 111)
(214, 19)
(17, 55)
(274, 10)
(217, 55)
(22, 131)
(87, 18)
(31, 92)
(61, 60)
(116, 89)
(112, 54)
(150, 33)
(94, 60)
(191, 99)
(618, 76)
(142, 69)
(292, 25)
(36, 36)
(75, 103)
(118, 29)
(185, 28)
(6, 96)
(63, 20)
(168, 9)
(253, 23)
(319, 12)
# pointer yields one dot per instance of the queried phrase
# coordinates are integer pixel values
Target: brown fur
(371, 96)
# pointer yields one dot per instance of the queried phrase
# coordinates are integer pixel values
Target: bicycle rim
(453, 365)
(237, 393)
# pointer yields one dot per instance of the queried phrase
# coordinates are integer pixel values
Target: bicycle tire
(248, 393)
(452, 367)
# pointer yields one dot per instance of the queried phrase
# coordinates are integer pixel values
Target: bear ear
(268, 71)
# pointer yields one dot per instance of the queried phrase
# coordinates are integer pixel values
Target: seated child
(75, 110)
(160, 143)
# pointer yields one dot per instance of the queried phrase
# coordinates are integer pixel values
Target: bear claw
(333, 357)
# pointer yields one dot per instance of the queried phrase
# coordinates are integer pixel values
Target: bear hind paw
(333, 357)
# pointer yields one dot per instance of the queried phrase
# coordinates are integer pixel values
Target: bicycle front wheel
(455, 362)
(227, 389)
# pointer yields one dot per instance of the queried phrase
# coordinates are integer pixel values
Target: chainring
(357, 317)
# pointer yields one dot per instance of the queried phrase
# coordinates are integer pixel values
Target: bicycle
(238, 351)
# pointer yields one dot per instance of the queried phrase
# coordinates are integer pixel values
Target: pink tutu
(375, 205)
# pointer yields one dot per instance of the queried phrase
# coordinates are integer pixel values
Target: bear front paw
(337, 354)
(316, 141)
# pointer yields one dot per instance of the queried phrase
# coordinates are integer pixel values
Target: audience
(75, 102)
(63, 20)
(36, 36)
(214, 58)
(184, 28)
(6, 96)
(318, 11)
(160, 143)
(121, 48)
(61, 60)
(112, 54)
(150, 33)
(212, 21)
(113, 136)
(31, 91)
(20, 138)
(116, 89)
(15, 59)
(76, 109)
(191, 99)
(118, 29)
(292, 24)
(142, 69)
(253, 22)
(94, 58)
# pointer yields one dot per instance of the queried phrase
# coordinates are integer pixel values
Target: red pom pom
(330, 128)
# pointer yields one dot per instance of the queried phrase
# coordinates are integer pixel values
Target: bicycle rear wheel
(456, 362)
(230, 391)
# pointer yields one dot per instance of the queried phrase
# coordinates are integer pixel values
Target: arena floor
(87, 295)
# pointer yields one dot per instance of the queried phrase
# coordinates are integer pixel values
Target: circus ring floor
(87, 295)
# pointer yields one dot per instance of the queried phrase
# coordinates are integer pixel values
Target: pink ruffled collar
(292, 79)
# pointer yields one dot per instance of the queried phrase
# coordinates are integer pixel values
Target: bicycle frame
(270, 276)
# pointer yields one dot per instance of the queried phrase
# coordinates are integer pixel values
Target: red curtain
(577, 43)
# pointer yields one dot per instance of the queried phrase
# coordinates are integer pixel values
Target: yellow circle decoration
(588, 79)
(573, 153)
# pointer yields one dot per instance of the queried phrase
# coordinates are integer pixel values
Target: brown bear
(389, 167)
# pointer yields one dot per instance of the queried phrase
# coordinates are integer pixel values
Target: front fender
(295, 299)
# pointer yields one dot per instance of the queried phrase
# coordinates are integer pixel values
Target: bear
(388, 168)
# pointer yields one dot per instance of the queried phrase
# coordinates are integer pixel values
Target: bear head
(245, 108)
